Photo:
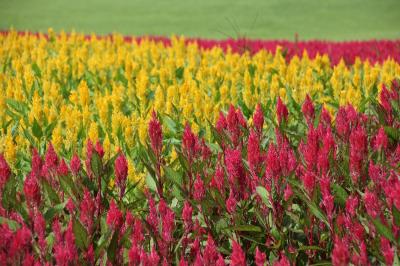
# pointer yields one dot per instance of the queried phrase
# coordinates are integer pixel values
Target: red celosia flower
(87, 210)
(121, 172)
(183, 262)
(328, 201)
(220, 261)
(187, 215)
(62, 169)
(75, 164)
(237, 256)
(70, 206)
(236, 173)
(114, 216)
(283, 261)
(340, 253)
(358, 151)
(325, 117)
(221, 123)
(308, 109)
(210, 252)
(218, 179)
(387, 251)
(272, 161)
(308, 181)
(281, 111)
(51, 159)
(199, 191)
(39, 226)
(381, 140)
(22, 241)
(36, 163)
(190, 143)
(260, 258)
(134, 255)
(288, 192)
(5, 172)
(155, 134)
(32, 191)
(372, 204)
(99, 149)
(258, 118)
(233, 124)
(351, 205)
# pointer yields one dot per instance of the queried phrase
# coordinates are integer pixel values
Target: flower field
(153, 151)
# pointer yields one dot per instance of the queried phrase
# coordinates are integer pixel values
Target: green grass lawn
(267, 19)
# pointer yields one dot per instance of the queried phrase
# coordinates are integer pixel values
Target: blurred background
(255, 19)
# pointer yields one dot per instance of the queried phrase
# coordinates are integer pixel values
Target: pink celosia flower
(281, 111)
(381, 140)
(87, 210)
(372, 204)
(237, 256)
(75, 164)
(218, 179)
(190, 143)
(258, 118)
(39, 226)
(51, 159)
(36, 163)
(187, 215)
(358, 152)
(288, 192)
(308, 109)
(387, 251)
(121, 172)
(32, 191)
(351, 205)
(309, 182)
(114, 216)
(62, 169)
(210, 252)
(134, 255)
(5, 172)
(221, 123)
(99, 149)
(199, 191)
(220, 261)
(340, 253)
(260, 258)
(283, 261)
(155, 134)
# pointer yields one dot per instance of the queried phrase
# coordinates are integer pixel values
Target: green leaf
(51, 212)
(383, 230)
(13, 225)
(36, 70)
(340, 194)
(81, 236)
(36, 129)
(396, 215)
(151, 184)
(246, 228)
(112, 248)
(310, 248)
(9, 193)
(172, 175)
(179, 72)
(95, 164)
(264, 194)
(50, 192)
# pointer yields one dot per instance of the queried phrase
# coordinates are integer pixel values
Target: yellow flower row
(73, 88)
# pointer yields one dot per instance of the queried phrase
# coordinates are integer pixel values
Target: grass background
(266, 19)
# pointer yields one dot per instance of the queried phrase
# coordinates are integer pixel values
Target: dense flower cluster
(291, 185)
(69, 88)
